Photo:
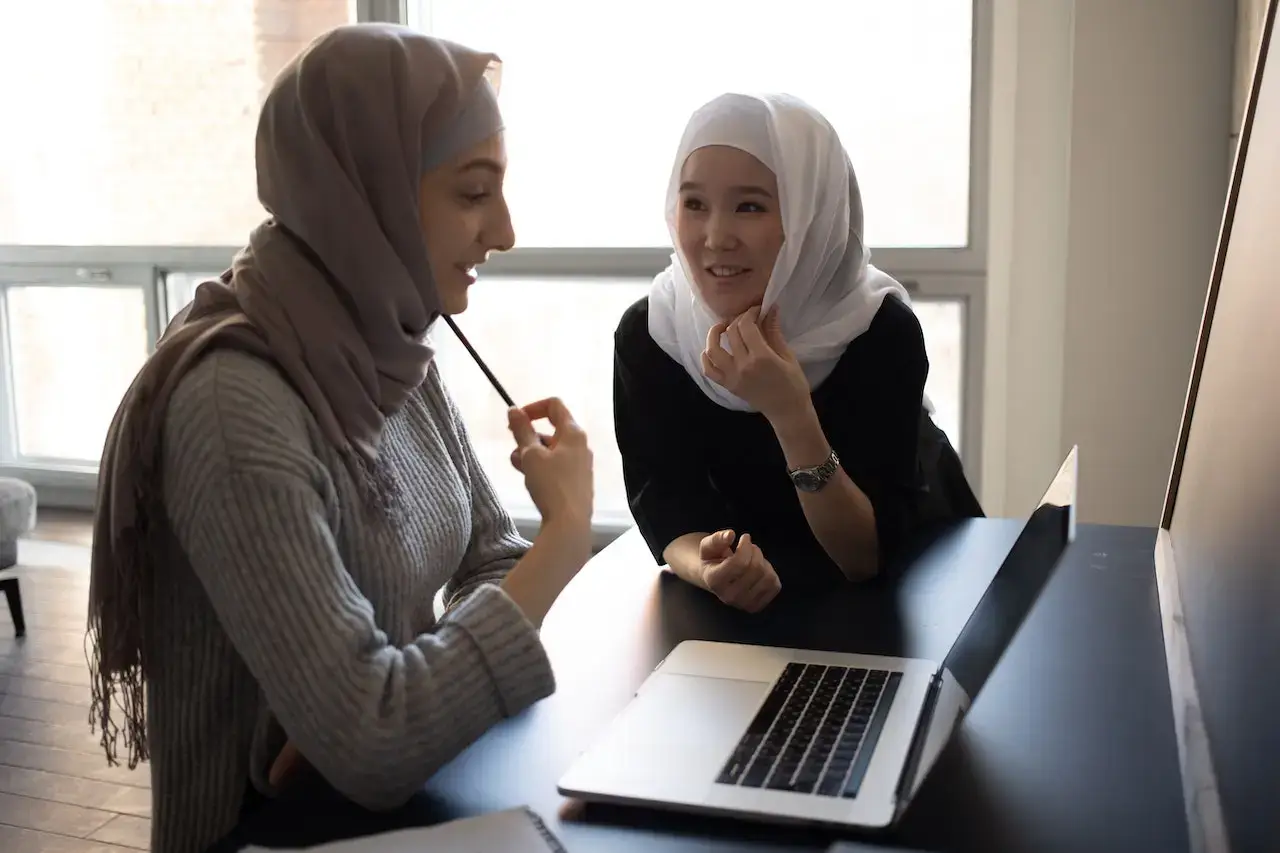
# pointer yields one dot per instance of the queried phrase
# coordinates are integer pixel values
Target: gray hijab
(334, 288)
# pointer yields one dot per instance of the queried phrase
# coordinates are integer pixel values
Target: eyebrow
(743, 189)
(486, 163)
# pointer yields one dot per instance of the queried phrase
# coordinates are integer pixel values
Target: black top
(692, 465)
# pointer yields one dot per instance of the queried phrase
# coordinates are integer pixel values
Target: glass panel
(139, 127)
(944, 335)
(595, 99)
(180, 288)
(567, 352)
(574, 360)
(73, 352)
(574, 347)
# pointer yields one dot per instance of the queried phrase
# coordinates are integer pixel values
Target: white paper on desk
(508, 831)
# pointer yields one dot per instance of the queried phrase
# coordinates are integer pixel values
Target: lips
(468, 270)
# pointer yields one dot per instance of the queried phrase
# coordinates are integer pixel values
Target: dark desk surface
(1070, 746)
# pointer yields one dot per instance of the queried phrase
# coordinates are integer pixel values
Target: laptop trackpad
(672, 740)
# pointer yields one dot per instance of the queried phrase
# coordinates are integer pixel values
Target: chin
(452, 304)
(727, 309)
(725, 303)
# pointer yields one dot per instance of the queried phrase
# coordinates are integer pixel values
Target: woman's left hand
(761, 369)
(289, 763)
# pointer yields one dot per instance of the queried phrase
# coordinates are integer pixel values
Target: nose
(720, 232)
(500, 235)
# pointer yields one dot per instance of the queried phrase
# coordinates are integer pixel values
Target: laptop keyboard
(815, 732)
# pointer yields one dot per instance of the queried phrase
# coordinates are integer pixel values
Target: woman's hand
(289, 763)
(515, 453)
(558, 469)
(558, 474)
(761, 369)
(741, 578)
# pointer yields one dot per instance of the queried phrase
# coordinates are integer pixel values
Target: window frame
(929, 273)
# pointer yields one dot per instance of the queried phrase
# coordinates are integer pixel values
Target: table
(1070, 746)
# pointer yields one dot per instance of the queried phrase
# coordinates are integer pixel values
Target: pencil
(493, 380)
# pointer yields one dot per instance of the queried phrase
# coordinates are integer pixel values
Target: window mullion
(8, 439)
(390, 11)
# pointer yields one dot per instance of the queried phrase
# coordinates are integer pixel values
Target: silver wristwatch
(813, 479)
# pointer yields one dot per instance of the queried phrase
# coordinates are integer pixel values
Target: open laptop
(788, 735)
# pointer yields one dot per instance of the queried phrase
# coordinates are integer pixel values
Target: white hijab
(826, 291)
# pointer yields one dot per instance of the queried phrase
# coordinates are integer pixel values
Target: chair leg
(14, 595)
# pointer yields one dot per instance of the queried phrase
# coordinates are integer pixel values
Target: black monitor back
(1222, 513)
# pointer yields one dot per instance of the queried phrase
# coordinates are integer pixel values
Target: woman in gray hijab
(287, 485)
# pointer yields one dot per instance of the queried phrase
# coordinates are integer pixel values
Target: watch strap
(822, 473)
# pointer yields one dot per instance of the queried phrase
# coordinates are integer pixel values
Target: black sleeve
(668, 490)
(882, 450)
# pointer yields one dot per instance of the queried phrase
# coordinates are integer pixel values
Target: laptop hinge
(902, 793)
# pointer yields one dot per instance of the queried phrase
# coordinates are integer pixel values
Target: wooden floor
(57, 793)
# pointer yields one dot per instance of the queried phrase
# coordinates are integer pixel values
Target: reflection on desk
(1070, 747)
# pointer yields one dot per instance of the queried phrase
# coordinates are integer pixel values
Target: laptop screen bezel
(1062, 493)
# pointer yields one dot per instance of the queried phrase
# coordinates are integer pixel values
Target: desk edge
(1206, 826)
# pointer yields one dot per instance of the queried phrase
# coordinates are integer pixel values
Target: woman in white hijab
(769, 392)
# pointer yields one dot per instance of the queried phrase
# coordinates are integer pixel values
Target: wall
(1250, 15)
(1031, 124)
(1107, 191)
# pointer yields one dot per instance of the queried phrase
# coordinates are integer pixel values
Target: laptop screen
(1017, 584)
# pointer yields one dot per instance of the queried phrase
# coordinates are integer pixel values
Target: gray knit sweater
(288, 607)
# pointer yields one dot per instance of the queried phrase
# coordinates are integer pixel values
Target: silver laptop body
(789, 735)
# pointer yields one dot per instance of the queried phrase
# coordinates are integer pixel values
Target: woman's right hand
(557, 473)
(558, 470)
(740, 577)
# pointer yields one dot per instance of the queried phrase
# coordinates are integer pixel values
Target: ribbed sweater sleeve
(255, 511)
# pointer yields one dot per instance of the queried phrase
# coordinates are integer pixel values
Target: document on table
(508, 831)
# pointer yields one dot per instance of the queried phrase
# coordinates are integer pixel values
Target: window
(943, 322)
(132, 179)
(568, 353)
(137, 131)
(596, 96)
(71, 353)
(139, 127)
(180, 288)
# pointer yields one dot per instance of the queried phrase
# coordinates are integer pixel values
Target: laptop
(798, 736)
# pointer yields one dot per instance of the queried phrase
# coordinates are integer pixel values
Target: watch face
(807, 481)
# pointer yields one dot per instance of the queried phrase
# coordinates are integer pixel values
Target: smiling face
(464, 217)
(729, 227)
